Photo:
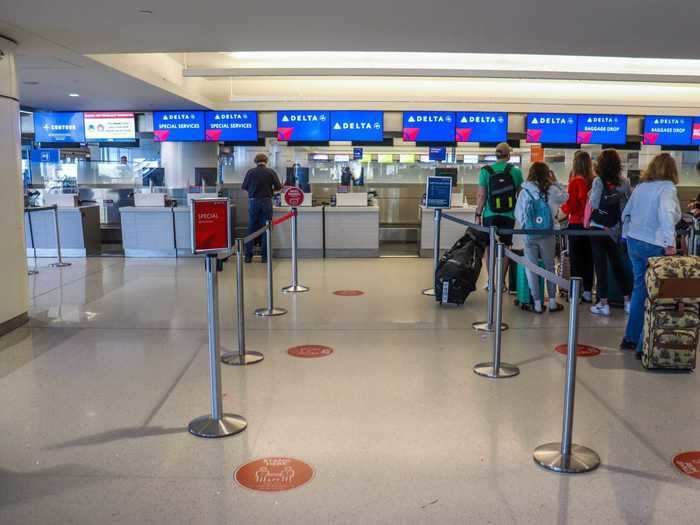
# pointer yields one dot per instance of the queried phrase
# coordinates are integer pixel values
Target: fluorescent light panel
(464, 61)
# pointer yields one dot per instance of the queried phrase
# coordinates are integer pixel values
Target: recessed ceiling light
(145, 11)
(73, 94)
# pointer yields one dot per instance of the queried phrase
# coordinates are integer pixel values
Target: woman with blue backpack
(538, 202)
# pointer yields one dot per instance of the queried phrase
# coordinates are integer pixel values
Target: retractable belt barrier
(282, 219)
(493, 231)
(270, 310)
(29, 211)
(563, 456)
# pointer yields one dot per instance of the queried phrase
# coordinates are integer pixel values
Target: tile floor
(97, 392)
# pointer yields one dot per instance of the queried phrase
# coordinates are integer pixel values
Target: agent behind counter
(261, 183)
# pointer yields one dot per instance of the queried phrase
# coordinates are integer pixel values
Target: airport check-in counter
(450, 231)
(309, 232)
(79, 228)
(148, 231)
(352, 231)
(158, 231)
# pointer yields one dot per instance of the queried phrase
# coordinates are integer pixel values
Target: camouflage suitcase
(672, 313)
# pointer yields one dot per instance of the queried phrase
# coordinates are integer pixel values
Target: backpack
(538, 216)
(501, 190)
(609, 212)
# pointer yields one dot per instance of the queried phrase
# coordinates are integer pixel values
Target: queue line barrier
(563, 456)
(493, 232)
(270, 310)
(61, 263)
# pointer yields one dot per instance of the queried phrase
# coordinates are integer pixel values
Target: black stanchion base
(483, 326)
(581, 459)
(267, 312)
(59, 264)
(208, 427)
(429, 291)
(295, 289)
(487, 370)
(235, 359)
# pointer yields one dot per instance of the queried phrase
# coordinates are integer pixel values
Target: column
(179, 159)
(14, 300)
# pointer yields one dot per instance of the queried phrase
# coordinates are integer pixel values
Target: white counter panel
(309, 232)
(352, 231)
(450, 231)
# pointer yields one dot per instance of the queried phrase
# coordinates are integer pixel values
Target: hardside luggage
(672, 313)
(523, 296)
(459, 268)
(615, 295)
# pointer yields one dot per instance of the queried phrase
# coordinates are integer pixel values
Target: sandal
(558, 308)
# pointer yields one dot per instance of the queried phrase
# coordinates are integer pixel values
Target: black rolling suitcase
(459, 268)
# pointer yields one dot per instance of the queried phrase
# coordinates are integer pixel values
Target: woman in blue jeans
(649, 225)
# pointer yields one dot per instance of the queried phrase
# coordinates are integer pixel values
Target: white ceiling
(55, 37)
(641, 28)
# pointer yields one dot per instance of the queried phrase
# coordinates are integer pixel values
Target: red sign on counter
(294, 197)
(211, 225)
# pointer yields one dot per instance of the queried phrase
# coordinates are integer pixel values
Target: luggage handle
(670, 346)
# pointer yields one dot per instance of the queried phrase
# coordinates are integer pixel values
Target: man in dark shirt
(260, 182)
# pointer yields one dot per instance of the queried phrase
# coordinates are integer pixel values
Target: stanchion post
(270, 311)
(216, 424)
(295, 286)
(488, 326)
(31, 237)
(437, 219)
(567, 457)
(496, 369)
(242, 357)
(60, 263)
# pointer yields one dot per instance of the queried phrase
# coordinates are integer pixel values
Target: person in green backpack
(497, 194)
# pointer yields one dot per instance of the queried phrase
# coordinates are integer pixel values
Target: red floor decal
(581, 350)
(688, 463)
(274, 474)
(348, 293)
(310, 351)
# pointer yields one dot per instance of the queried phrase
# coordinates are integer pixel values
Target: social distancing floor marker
(348, 293)
(310, 351)
(688, 463)
(581, 350)
(274, 474)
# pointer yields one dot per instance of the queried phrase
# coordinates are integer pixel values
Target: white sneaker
(600, 309)
(627, 308)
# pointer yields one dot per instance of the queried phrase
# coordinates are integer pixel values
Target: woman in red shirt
(580, 252)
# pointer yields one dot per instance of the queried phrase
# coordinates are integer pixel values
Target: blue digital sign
(360, 126)
(428, 126)
(49, 156)
(438, 194)
(480, 126)
(59, 127)
(696, 130)
(311, 126)
(667, 131)
(231, 126)
(551, 128)
(437, 153)
(357, 153)
(602, 129)
(178, 126)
